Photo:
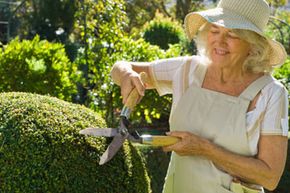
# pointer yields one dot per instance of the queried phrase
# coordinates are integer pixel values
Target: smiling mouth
(220, 52)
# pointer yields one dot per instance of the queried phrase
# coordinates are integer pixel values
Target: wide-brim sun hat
(250, 15)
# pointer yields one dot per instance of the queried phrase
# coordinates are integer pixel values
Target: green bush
(42, 151)
(156, 162)
(163, 31)
(51, 21)
(38, 67)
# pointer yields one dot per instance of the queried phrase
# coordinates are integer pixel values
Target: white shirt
(270, 116)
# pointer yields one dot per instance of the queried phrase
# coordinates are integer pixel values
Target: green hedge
(42, 151)
(37, 66)
(163, 31)
(156, 162)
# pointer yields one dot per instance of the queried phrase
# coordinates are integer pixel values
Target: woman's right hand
(127, 76)
(130, 80)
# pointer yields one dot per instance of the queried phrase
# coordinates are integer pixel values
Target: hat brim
(278, 53)
(228, 19)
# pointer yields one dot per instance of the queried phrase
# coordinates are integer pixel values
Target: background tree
(183, 7)
(8, 9)
(4, 13)
(50, 19)
(98, 29)
(139, 12)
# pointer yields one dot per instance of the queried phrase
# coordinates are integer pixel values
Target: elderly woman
(229, 112)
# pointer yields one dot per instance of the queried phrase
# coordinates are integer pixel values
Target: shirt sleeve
(163, 73)
(275, 120)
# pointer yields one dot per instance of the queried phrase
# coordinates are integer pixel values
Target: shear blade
(112, 149)
(105, 132)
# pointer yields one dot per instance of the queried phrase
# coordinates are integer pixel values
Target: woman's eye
(233, 35)
(214, 31)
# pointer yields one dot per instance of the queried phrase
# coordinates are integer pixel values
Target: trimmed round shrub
(42, 151)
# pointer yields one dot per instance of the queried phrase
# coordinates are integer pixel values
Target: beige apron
(218, 117)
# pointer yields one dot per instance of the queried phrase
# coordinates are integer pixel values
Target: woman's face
(225, 48)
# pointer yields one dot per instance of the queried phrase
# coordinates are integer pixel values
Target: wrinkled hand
(190, 144)
(129, 81)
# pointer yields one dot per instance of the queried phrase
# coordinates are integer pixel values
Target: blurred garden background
(66, 48)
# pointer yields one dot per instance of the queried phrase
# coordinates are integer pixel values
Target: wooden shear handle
(134, 96)
(159, 140)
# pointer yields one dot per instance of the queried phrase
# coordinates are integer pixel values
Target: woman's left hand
(190, 144)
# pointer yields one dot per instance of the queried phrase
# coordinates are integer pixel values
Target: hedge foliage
(156, 162)
(37, 66)
(162, 31)
(42, 151)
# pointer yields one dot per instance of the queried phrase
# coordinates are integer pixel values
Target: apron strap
(185, 75)
(199, 73)
(255, 87)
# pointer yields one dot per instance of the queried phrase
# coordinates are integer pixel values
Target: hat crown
(256, 11)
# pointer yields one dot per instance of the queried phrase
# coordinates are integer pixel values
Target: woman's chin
(220, 62)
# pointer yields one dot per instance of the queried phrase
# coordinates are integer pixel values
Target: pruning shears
(124, 132)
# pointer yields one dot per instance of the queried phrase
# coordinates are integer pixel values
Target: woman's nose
(221, 38)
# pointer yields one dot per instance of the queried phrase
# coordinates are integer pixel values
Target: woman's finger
(137, 82)
(129, 82)
(180, 134)
(126, 88)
